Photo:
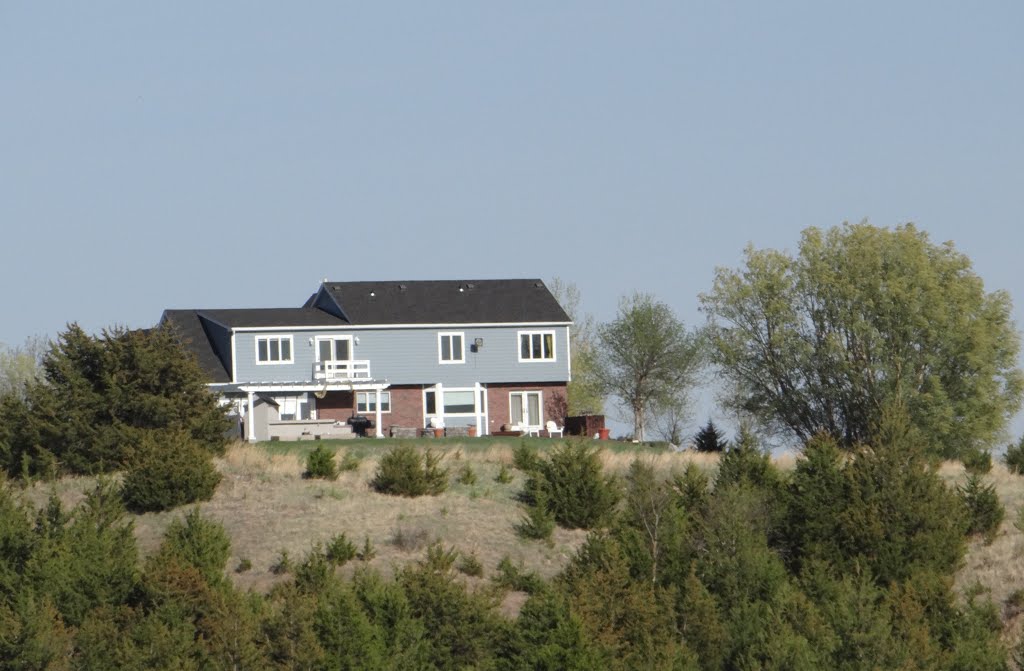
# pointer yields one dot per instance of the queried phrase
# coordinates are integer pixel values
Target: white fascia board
(288, 386)
(350, 327)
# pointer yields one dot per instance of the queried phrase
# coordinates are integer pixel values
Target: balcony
(341, 371)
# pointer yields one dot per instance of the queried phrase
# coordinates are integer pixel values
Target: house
(406, 355)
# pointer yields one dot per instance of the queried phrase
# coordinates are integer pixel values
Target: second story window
(273, 349)
(449, 347)
(536, 345)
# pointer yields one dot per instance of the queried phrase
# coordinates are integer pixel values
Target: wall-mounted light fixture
(356, 340)
(478, 343)
(310, 342)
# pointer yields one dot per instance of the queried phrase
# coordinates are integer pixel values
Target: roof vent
(539, 285)
(461, 289)
(470, 286)
(402, 287)
(372, 294)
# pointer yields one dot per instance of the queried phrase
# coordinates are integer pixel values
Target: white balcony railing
(341, 370)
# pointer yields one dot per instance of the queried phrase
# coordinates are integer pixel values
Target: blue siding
(410, 356)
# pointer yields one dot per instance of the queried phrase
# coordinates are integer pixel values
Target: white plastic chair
(554, 428)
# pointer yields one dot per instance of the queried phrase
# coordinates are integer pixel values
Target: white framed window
(536, 345)
(273, 350)
(366, 401)
(453, 403)
(451, 347)
(333, 348)
(292, 408)
(525, 408)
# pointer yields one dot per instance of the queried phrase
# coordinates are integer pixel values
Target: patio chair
(554, 428)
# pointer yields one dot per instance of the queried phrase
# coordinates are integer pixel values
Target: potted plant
(438, 426)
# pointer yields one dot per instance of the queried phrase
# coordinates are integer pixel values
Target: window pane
(533, 402)
(324, 350)
(286, 349)
(517, 408)
(456, 348)
(341, 350)
(458, 402)
(524, 346)
(261, 347)
(536, 354)
(446, 348)
(431, 403)
(549, 346)
(361, 404)
(385, 401)
(275, 349)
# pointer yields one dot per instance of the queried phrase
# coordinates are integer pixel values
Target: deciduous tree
(647, 357)
(859, 319)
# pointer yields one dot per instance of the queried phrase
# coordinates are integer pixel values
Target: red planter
(603, 433)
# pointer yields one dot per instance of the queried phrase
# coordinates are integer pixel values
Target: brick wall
(336, 405)
(498, 405)
(406, 408)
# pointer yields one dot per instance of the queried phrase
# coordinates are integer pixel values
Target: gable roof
(267, 317)
(195, 338)
(444, 302)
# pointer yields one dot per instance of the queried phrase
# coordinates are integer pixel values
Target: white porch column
(439, 403)
(477, 406)
(250, 420)
(376, 393)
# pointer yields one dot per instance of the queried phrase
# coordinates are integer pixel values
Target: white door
(525, 408)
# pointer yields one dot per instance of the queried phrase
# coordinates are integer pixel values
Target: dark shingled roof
(264, 317)
(447, 302)
(194, 336)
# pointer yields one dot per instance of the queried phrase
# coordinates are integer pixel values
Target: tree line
(822, 342)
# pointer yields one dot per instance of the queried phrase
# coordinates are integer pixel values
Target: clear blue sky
(157, 155)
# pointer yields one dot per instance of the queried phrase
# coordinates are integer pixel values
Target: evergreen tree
(710, 439)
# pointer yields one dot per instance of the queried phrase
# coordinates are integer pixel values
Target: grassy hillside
(267, 507)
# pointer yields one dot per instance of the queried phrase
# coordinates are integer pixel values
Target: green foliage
(439, 559)
(367, 553)
(647, 357)
(710, 439)
(571, 480)
(978, 462)
(19, 366)
(526, 458)
(650, 511)
(348, 637)
(340, 550)
(244, 564)
(984, 511)
(320, 464)
(470, 565)
(404, 471)
(84, 560)
(746, 462)
(467, 476)
(315, 572)
(168, 469)
(862, 317)
(198, 542)
(283, 563)
(691, 487)
(539, 521)
(585, 393)
(513, 576)
(504, 475)
(1014, 457)
(549, 637)
(100, 396)
(349, 462)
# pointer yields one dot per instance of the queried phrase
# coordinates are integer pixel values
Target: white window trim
(371, 395)
(471, 390)
(282, 362)
(554, 346)
(319, 339)
(448, 334)
(540, 405)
